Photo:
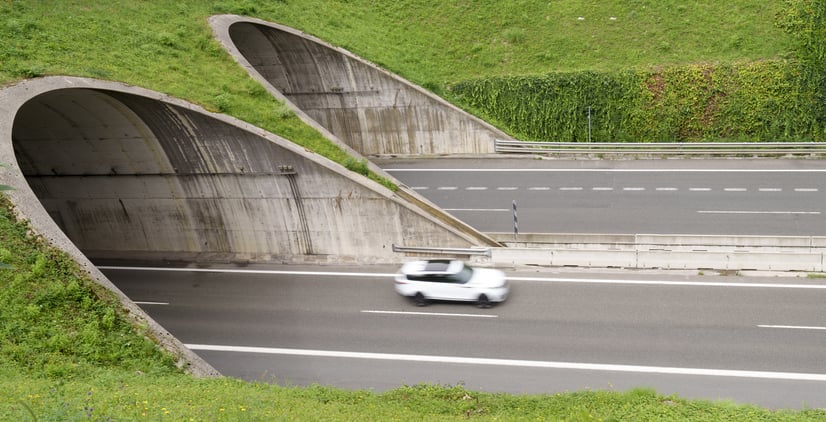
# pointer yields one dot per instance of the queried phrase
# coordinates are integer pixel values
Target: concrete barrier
(665, 242)
(788, 260)
(521, 256)
(594, 258)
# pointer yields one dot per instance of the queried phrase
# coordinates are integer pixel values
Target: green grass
(116, 395)
(66, 350)
(168, 47)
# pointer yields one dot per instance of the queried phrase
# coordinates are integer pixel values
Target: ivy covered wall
(760, 101)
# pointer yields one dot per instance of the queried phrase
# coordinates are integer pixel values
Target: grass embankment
(67, 352)
(168, 47)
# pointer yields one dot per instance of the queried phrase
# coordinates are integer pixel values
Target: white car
(450, 279)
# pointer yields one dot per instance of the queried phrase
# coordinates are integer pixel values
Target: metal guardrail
(704, 148)
(442, 251)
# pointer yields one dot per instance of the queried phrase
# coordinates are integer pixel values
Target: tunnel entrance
(371, 110)
(129, 177)
(130, 174)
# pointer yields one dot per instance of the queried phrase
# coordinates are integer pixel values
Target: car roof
(433, 266)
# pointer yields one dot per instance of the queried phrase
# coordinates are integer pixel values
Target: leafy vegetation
(805, 21)
(68, 353)
(753, 101)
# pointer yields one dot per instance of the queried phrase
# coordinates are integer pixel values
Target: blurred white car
(450, 279)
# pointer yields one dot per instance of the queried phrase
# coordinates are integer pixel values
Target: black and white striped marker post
(515, 224)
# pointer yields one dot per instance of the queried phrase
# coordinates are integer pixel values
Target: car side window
(438, 278)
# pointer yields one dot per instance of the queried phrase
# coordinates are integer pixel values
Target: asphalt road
(708, 197)
(749, 340)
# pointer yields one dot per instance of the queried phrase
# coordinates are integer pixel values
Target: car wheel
(419, 299)
(483, 302)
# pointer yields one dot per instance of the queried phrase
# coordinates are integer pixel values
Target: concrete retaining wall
(356, 102)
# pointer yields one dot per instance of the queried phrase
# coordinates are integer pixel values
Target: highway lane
(556, 333)
(731, 197)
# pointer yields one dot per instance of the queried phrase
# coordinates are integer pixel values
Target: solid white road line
(671, 283)
(546, 279)
(663, 370)
(140, 302)
(793, 327)
(242, 271)
(430, 314)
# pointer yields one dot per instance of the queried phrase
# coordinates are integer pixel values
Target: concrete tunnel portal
(138, 176)
(361, 105)
(127, 173)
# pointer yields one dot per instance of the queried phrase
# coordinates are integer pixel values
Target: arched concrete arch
(356, 102)
(179, 183)
(109, 171)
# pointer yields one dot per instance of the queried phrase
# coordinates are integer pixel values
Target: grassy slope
(65, 353)
(436, 43)
(167, 46)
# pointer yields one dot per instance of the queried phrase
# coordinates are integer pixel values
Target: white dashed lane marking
(760, 212)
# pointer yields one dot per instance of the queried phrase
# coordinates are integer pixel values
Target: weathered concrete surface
(105, 170)
(356, 102)
(177, 183)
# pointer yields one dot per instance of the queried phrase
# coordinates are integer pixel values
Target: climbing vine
(743, 102)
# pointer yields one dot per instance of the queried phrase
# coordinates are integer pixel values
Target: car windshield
(464, 275)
